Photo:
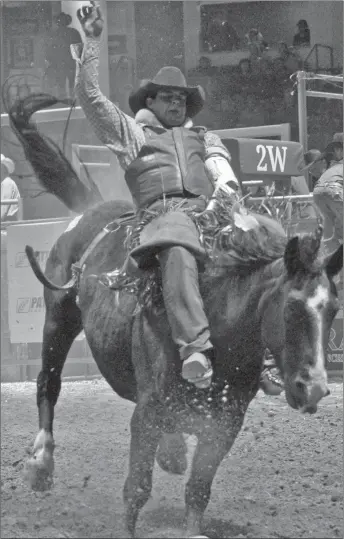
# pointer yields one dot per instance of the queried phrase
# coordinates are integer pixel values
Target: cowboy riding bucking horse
(171, 166)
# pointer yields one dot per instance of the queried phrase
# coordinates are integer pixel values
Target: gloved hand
(222, 185)
(91, 20)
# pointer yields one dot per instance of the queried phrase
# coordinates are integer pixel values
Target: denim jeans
(329, 199)
(183, 301)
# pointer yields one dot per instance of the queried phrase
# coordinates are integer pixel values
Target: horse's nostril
(300, 386)
(328, 392)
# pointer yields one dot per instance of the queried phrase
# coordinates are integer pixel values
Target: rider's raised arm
(113, 127)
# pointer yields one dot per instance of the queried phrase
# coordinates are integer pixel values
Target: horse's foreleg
(145, 434)
(60, 330)
(209, 454)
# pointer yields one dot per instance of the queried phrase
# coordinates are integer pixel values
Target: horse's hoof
(171, 454)
(172, 464)
(271, 382)
(38, 471)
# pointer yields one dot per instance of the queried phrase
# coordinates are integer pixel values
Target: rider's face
(169, 106)
(338, 153)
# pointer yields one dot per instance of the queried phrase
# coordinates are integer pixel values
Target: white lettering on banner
(333, 345)
(30, 305)
(276, 158)
(335, 358)
(21, 260)
(261, 149)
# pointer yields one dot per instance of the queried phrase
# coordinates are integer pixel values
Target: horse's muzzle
(305, 396)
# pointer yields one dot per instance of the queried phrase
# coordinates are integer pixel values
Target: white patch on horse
(315, 304)
(73, 223)
(43, 439)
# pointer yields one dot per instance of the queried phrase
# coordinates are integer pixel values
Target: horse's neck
(270, 306)
(234, 299)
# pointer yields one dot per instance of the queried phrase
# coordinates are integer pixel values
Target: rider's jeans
(329, 199)
(183, 301)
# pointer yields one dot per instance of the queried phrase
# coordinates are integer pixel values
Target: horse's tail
(40, 275)
(53, 170)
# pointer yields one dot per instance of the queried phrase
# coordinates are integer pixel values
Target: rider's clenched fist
(91, 20)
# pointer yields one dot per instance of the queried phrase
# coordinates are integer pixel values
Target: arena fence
(18, 202)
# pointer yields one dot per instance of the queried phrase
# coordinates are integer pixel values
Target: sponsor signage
(335, 345)
(25, 293)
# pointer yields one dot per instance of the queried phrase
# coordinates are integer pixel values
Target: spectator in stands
(303, 35)
(253, 113)
(220, 35)
(289, 57)
(256, 43)
(60, 64)
(9, 190)
(204, 65)
(242, 78)
(315, 164)
(245, 68)
(283, 50)
(328, 191)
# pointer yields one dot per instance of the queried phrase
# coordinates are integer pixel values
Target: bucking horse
(260, 290)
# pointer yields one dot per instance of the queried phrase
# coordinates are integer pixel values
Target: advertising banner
(335, 347)
(25, 292)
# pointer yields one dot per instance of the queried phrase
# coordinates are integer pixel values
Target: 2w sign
(271, 158)
(262, 158)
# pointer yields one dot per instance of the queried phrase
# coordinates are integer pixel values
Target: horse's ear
(292, 260)
(334, 263)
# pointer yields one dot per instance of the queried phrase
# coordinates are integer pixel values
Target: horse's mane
(243, 240)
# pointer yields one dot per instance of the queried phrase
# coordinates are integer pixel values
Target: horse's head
(305, 305)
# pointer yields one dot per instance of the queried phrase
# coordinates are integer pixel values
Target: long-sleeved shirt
(121, 133)
(9, 191)
(331, 180)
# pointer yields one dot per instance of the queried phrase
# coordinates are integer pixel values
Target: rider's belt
(170, 163)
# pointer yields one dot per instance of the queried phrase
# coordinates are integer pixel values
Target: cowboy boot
(270, 380)
(197, 369)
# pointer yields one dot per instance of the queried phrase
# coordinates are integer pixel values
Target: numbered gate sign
(259, 159)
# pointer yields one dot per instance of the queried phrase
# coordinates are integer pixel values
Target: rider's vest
(171, 162)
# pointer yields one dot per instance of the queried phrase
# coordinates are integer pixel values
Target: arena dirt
(283, 477)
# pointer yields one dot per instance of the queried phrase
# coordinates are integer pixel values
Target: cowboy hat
(337, 140)
(310, 158)
(8, 163)
(168, 78)
(63, 18)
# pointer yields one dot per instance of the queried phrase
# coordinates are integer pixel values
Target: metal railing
(315, 50)
(50, 115)
(259, 131)
(303, 93)
(16, 201)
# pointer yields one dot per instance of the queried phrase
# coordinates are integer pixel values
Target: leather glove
(91, 20)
